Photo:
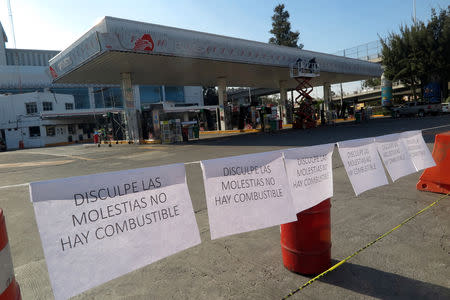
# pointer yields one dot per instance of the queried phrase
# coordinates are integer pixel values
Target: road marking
(59, 155)
(35, 164)
(436, 127)
(13, 185)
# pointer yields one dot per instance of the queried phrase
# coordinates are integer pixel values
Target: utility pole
(342, 92)
(12, 23)
(414, 12)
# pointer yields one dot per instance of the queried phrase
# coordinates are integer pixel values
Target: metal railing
(368, 51)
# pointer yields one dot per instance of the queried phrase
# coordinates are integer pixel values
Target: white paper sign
(362, 163)
(310, 175)
(95, 228)
(395, 155)
(247, 192)
(420, 154)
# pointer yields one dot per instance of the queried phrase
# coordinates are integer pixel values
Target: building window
(109, 97)
(31, 108)
(50, 130)
(80, 96)
(35, 131)
(69, 106)
(150, 94)
(174, 94)
(46, 106)
(71, 129)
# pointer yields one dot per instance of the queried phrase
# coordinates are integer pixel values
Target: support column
(386, 91)
(222, 93)
(283, 101)
(131, 115)
(326, 95)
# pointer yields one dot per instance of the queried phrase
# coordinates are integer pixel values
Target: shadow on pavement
(383, 285)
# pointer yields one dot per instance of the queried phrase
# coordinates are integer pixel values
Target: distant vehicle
(446, 108)
(416, 109)
(2, 145)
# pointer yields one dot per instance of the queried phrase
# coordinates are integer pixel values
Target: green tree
(438, 41)
(371, 82)
(419, 53)
(281, 29)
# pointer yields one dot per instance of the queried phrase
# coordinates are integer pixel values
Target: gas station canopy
(160, 55)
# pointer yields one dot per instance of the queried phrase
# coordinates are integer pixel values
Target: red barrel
(306, 243)
(9, 289)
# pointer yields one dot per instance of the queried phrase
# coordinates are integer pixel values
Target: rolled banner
(245, 193)
(362, 163)
(395, 155)
(310, 175)
(95, 228)
(418, 150)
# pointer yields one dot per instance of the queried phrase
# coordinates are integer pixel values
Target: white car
(446, 108)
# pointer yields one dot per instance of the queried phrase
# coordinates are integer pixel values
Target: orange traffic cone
(437, 179)
(9, 289)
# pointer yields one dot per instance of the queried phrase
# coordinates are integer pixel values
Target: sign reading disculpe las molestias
(362, 163)
(418, 150)
(395, 155)
(95, 228)
(247, 192)
(309, 170)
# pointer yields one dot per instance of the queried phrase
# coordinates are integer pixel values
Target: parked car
(446, 108)
(416, 109)
(2, 145)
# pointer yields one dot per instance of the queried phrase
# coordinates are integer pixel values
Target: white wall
(193, 94)
(16, 122)
(13, 136)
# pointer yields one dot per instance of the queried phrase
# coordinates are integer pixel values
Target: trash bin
(358, 117)
(273, 125)
(280, 124)
(306, 243)
(196, 131)
(96, 139)
(185, 133)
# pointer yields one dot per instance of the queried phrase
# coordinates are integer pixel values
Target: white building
(43, 119)
(24, 71)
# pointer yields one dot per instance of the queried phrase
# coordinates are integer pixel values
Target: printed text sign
(362, 163)
(395, 156)
(247, 192)
(95, 228)
(418, 150)
(310, 175)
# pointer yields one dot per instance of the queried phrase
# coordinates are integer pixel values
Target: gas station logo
(144, 43)
(53, 73)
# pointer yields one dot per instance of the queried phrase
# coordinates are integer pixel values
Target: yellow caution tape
(363, 248)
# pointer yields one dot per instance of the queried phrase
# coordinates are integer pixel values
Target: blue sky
(324, 25)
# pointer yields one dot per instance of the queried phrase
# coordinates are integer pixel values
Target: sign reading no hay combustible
(309, 170)
(247, 192)
(363, 164)
(95, 228)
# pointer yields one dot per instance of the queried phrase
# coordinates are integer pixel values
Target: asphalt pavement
(412, 262)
